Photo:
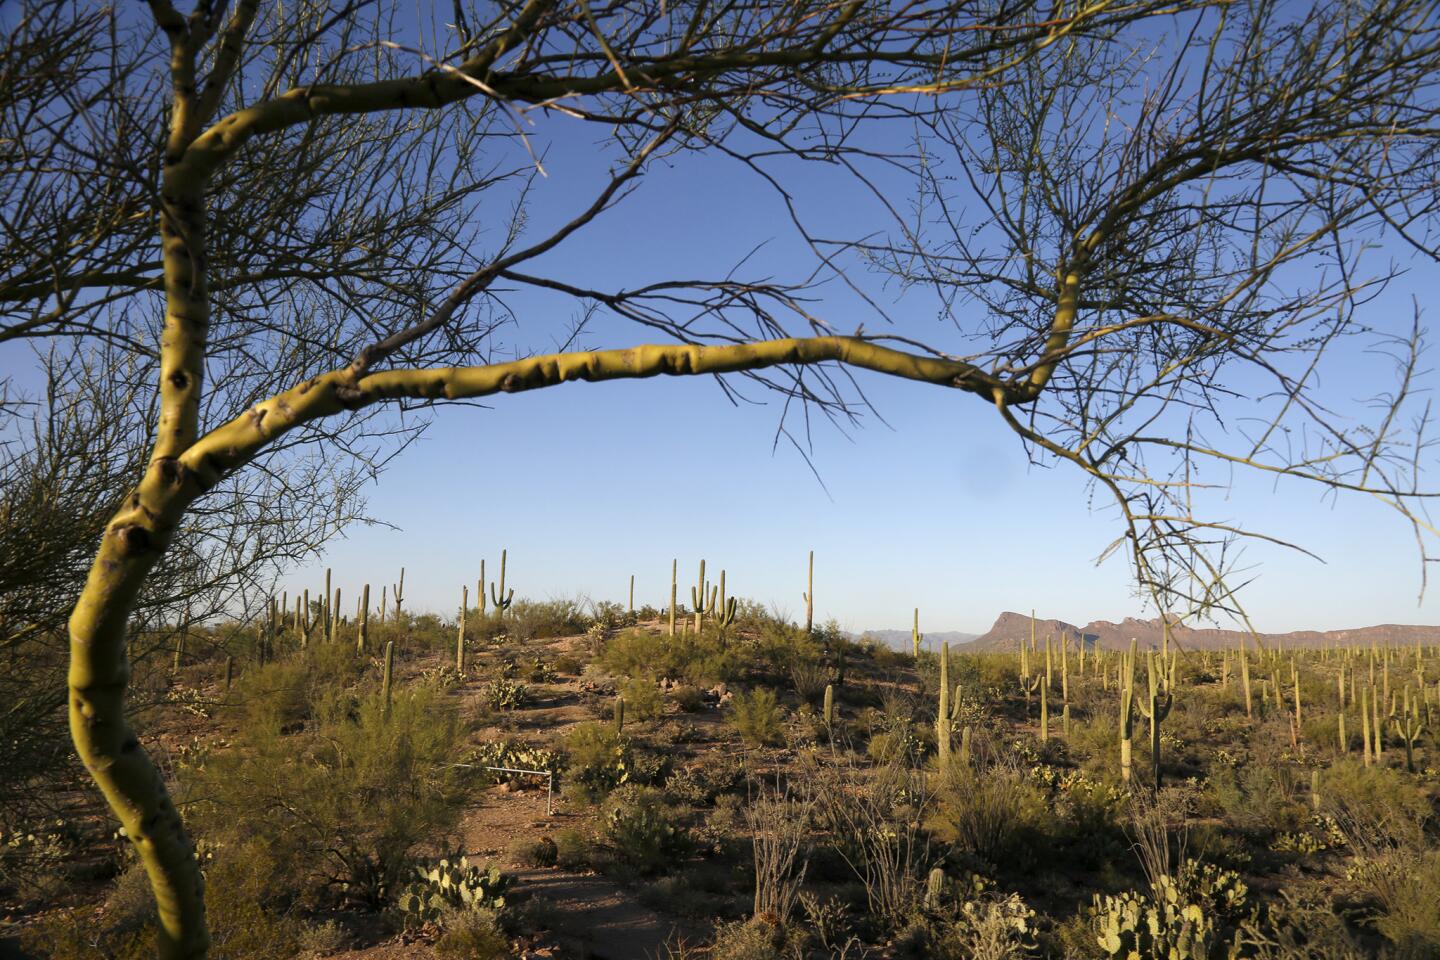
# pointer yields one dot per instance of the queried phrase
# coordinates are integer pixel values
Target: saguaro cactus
(1409, 727)
(399, 593)
(498, 596)
(829, 708)
(619, 714)
(460, 631)
(631, 608)
(810, 596)
(1156, 710)
(1127, 729)
(362, 634)
(1044, 712)
(915, 635)
(942, 718)
(704, 600)
(674, 567)
(726, 610)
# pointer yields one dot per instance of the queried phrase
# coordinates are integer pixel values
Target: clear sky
(586, 484)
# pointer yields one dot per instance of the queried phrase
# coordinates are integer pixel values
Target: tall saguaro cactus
(702, 598)
(460, 632)
(362, 635)
(810, 596)
(915, 635)
(942, 718)
(498, 596)
(674, 569)
(1156, 708)
(399, 593)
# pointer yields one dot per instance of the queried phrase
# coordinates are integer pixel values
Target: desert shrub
(1378, 801)
(282, 694)
(780, 645)
(703, 780)
(700, 659)
(598, 760)
(535, 852)
(1261, 798)
(643, 699)
(988, 814)
(542, 619)
(756, 715)
(573, 850)
(754, 940)
(1400, 886)
(988, 927)
(473, 935)
(688, 699)
(333, 811)
(641, 828)
(567, 664)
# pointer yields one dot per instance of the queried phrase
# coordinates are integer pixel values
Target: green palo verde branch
(140, 532)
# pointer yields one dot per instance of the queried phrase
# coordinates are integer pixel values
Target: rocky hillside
(1011, 627)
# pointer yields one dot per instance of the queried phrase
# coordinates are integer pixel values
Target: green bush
(283, 694)
(598, 760)
(332, 812)
(641, 828)
(702, 659)
(988, 814)
(756, 715)
(643, 699)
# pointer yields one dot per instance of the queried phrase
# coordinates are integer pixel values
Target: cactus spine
(942, 718)
(501, 599)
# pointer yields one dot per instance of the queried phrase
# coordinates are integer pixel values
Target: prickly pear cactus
(1190, 917)
(452, 883)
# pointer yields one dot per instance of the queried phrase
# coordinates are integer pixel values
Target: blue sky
(586, 484)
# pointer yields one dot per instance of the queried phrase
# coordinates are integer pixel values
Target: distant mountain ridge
(1010, 627)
